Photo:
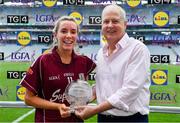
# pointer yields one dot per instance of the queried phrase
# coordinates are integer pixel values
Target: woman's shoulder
(83, 57)
(46, 56)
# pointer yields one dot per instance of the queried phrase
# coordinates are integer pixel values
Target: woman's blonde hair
(64, 18)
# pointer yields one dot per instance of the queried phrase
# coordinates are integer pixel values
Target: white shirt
(122, 77)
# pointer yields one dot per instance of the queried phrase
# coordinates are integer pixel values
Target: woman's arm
(37, 102)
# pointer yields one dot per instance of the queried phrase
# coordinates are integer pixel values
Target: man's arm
(85, 112)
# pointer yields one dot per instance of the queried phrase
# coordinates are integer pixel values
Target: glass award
(78, 93)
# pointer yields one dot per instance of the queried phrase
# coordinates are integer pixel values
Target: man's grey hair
(114, 7)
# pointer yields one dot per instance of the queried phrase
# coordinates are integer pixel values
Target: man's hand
(85, 112)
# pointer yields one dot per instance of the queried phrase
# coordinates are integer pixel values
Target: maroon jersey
(48, 77)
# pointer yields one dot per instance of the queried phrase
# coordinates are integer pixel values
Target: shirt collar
(122, 43)
(74, 55)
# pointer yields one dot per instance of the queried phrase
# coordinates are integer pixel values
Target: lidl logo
(49, 3)
(24, 38)
(161, 19)
(159, 77)
(133, 3)
(77, 16)
(20, 93)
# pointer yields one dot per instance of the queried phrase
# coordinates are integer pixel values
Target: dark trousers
(133, 118)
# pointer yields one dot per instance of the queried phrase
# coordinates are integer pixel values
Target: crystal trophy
(78, 93)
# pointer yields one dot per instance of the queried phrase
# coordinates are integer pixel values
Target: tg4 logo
(160, 59)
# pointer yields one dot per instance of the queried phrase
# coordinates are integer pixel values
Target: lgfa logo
(24, 38)
(77, 16)
(133, 3)
(159, 77)
(161, 19)
(20, 92)
(49, 3)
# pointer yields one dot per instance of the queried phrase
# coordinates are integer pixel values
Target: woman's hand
(64, 110)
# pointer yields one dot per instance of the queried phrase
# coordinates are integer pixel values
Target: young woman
(48, 77)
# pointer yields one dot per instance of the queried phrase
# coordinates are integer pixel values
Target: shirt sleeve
(135, 78)
(32, 80)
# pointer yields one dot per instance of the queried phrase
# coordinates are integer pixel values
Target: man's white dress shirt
(122, 77)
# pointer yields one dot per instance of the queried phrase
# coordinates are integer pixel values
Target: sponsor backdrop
(26, 32)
